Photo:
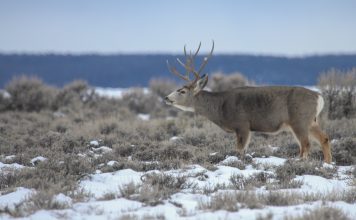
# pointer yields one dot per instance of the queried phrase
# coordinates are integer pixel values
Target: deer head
(183, 98)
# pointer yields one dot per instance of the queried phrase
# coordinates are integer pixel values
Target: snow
(276, 161)
(116, 92)
(313, 88)
(112, 163)
(100, 184)
(114, 207)
(58, 114)
(63, 199)
(10, 157)
(328, 166)
(189, 201)
(12, 199)
(5, 94)
(144, 117)
(315, 184)
(37, 159)
(228, 160)
(11, 166)
(185, 204)
(102, 149)
(334, 141)
(176, 139)
(111, 92)
(94, 143)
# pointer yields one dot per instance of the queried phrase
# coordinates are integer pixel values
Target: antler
(175, 71)
(206, 59)
(189, 65)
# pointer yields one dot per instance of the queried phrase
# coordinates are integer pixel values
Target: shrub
(324, 212)
(222, 201)
(343, 151)
(276, 198)
(7, 179)
(340, 128)
(73, 94)
(44, 200)
(53, 175)
(240, 182)
(140, 102)
(4, 101)
(291, 168)
(231, 201)
(339, 89)
(292, 184)
(128, 190)
(29, 94)
(221, 82)
(157, 187)
(162, 87)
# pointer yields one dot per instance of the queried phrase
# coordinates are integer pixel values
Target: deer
(251, 109)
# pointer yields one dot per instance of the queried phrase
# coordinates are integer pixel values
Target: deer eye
(182, 92)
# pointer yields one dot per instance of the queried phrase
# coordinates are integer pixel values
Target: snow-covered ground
(183, 204)
(115, 92)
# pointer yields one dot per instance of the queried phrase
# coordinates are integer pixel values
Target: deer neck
(207, 104)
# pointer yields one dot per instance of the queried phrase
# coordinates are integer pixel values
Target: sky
(274, 27)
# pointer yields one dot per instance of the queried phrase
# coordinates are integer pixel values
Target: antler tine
(175, 72)
(183, 64)
(206, 59)
(187, 66)
(188, 63)
(192, 68)
(196, 53)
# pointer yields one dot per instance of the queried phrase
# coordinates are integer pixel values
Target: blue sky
(292, 28)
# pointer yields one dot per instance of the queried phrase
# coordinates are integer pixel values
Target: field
(91, 153)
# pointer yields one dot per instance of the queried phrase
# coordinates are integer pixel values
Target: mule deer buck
(245, 110)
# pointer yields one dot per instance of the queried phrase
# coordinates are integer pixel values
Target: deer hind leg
(303, 139)
(323, 139)
(243, 138)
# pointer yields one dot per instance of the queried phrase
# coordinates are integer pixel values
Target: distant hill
(137, 70)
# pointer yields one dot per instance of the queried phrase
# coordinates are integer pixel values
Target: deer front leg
(243, 138)
(323, 139)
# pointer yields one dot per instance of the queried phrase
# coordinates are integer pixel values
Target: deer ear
(200, 84)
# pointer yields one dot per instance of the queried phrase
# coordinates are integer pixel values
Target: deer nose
(167, 100)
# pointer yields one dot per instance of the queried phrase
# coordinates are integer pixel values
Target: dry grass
(291, 168)
(257, 180)
(232, 201)
(60, 125)
(224, 201)
(323, 212)
(158, 187)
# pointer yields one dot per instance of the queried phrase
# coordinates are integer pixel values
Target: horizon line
(138, 53)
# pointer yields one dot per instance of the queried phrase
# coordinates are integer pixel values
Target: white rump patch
(320, 105)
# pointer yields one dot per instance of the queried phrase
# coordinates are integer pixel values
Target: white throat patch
(184, 108)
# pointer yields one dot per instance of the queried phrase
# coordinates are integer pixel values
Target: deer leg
(243, 138)
(303, 140)
(323, 139)
(305, 143)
